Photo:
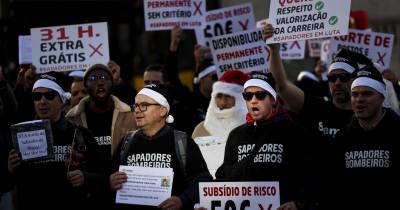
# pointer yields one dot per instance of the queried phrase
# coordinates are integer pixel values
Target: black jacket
(281, 155)
(44, 184)
(367, 165)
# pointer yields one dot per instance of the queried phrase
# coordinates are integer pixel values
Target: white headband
(46, 83)
(206, 71)
(262, 84)
(341, 65)
(366, 81)
(160, 99)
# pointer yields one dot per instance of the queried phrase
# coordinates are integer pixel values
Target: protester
(108, 119)
(62, 184)
(183, 107)
(227, 110)
(270, 147)
(78, 92)
(8, 111)
(154, 137)
(314, 82)
(367, 152)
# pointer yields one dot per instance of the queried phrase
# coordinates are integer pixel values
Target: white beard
(222, 122)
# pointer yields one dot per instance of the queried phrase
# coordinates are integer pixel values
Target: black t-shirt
(99, 123)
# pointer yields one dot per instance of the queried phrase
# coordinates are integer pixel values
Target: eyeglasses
(260, 95)
(143, 106)
(342, 77)
(37, 96)
(98, 77)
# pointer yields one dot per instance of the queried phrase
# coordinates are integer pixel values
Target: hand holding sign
(13, 161)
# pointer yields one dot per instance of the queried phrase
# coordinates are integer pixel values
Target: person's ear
(164, 111)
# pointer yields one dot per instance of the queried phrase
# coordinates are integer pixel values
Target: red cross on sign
(197, 9)
(95, 50)
(380, 59)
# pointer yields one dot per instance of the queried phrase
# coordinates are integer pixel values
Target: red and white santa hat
(231, 83)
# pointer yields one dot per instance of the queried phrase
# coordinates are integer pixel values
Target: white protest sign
(239, 195)
(145, 185)
(32, 144)
(244, 51)
(325, 45)
(24, 49)
(212, 148)
(306, 19)
(314, 47)
(72, 47)
(226, 21)
(288, 50)
(293, 50)
(376, 46)
(164, 15)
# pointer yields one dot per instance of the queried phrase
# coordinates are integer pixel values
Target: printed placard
(325, 49)
(164, 15)
(376, 46)
(288, 50)
(225, 21)
(24, 49)
(145, 185)
(71, 47)
(239, 195)
(33, 140)
(244, 51)
(302, 20)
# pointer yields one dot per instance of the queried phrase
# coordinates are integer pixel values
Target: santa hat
(231, 83)
(345, 60)
(158, 93)
(360, 18)
(51, 80)
(261, 80)
(369, 76)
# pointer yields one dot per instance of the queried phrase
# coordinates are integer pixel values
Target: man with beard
(226, 111)
(103, 114)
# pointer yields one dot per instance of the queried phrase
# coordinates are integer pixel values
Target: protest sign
(288, 50)
(165, 14)
(24, 50)
(226, 21)
(239, 195)
(67, 48)
(301, 20)
(33, 140)
(376, 46)
(244, 51)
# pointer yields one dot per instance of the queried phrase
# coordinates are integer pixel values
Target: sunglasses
(51, 95)
(98, 77)
(260, 95)
(342, 77)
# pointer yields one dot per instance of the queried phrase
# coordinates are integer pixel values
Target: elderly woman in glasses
(63, 180)
(268, 147)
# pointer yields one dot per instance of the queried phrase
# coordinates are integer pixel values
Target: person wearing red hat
(226, 111)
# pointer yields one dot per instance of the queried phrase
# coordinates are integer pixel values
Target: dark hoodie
(281, 155)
